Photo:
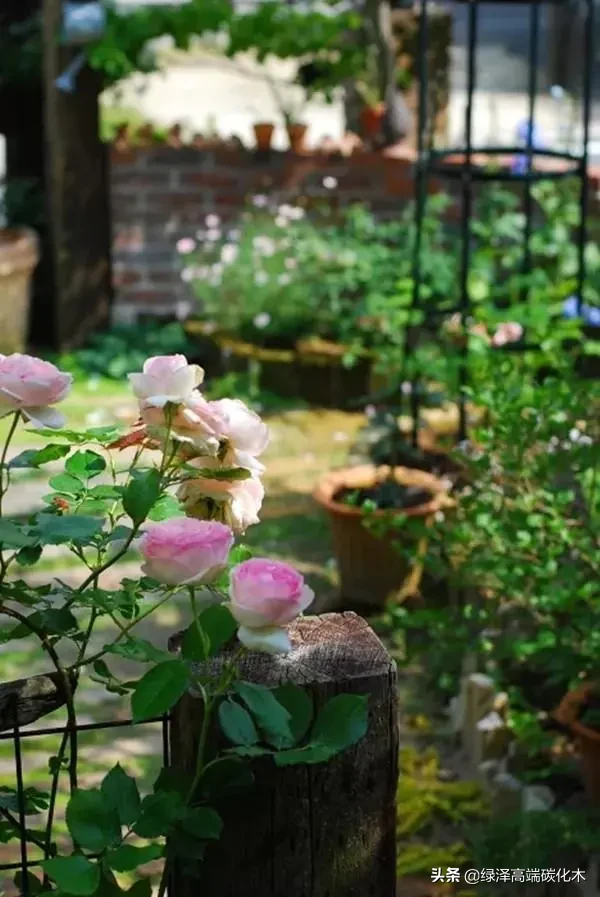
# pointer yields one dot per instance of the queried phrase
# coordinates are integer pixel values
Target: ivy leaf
(53, 529)
(236, 723)
(74, 875)
(128, 857)
(158, 813)
(35, 458)
(121, 793)
(92, 821)
(85, 464)
(159, 689)
(299, 705)
(13, 536)
(342, 722)
(141, 494)
(203, 822)
(273, 719)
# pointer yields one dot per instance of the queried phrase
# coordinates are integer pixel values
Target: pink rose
(247, 434)
(183, 551)
(266, 595)
(508, 332)
(194, 421)
(31, 386)
(166, 378)
(238, 501)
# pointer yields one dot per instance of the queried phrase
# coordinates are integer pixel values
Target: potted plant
(263, 133)
(18, 260)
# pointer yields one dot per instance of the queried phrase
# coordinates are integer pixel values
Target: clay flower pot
(370, 568)
(263, 132)
(587, 740)
(297, 136)
(18, 258)
(371, 119)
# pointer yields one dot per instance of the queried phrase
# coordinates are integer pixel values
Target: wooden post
(56, 149)
(327, 830)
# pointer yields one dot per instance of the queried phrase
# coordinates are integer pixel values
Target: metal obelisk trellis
(465, 164)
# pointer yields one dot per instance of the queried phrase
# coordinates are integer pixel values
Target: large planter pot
(588, 740)
(18, 259)
(371, 570)
(311, 372)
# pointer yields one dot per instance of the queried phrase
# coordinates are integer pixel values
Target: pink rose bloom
(247, 434)
(194, 422)
(508, 332)
(32, 386)
(239, 501)
(183, 551)
(266, 595)
(166, 378)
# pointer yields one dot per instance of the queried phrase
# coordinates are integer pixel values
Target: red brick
(208, 179)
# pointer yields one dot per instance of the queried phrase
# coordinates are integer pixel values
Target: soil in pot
(373, 568)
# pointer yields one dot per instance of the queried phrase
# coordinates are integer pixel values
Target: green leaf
(92, 822)
(121, 793)
(203, 822)
(159, 812)
(299, 705)
(226, 775)
(195, 644)
(219, 625)
(236, 723)
(159, 689)
(342, 722)
(251, 750)
(141, 494)
(28, 556)
(35, 458)
(105, 492)
(53, 529)
(312, 753)
(85, 464)
(74, 875)
(139, 649)
(53, 621)
(273, 719)
(165, 508)
(66, 484)
(12, 536)
(239, 554)
(129, 857)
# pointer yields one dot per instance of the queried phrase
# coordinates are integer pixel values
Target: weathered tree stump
(326, 830)
(24, 701)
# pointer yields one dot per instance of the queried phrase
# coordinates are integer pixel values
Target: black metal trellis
(17, 734)
(472, 169)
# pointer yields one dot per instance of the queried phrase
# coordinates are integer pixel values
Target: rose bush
(194, 482)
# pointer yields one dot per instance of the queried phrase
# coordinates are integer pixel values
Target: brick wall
(160, 194)
(163, 193)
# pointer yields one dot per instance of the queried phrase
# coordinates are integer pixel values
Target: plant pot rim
(568, 710)
(264, 124)
(365, 475)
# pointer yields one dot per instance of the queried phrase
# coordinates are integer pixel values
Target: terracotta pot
(18, 259)
(371, 119)
(297, 136)
(263, 132)
(371, 570)
(587, 740)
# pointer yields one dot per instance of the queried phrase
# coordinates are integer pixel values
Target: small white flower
(284, 279)
(187, 275)
(281, 221)
(260, 201)
(213, 234)
(370, 411)
(290, 264)
(229, 253)
(212, 221)
(262, 320)
(406, 388)
(261, 278)
(439, 516)
(186, 245)
(330, 183)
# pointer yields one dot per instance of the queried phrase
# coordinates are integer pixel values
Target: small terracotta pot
(370, 568)
(371, 118)
(587, 740)
(19, 255)
(297, 136)
(263, 132)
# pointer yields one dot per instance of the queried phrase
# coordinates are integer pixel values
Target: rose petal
(269, 640)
